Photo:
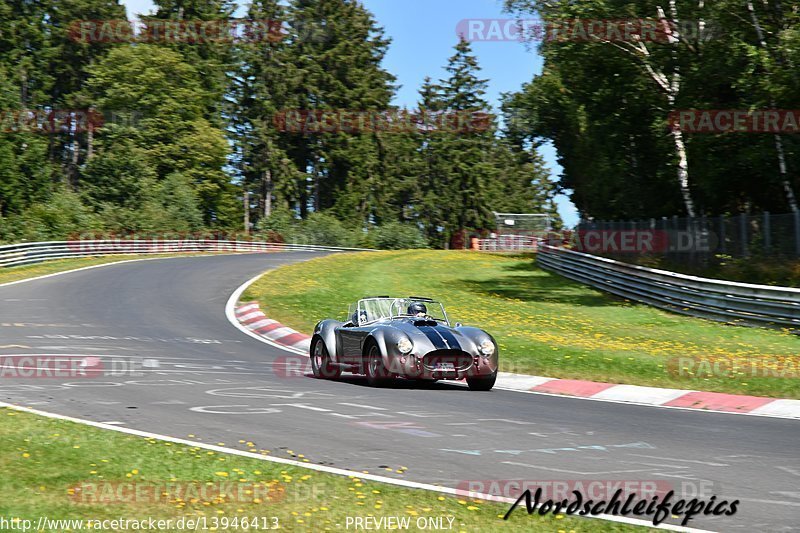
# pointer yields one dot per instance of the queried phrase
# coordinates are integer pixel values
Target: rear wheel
(377, 375)
(321, 364)
(482, 383)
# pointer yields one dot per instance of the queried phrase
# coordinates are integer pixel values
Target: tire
(321, 362)
(482, 383)
(377, 375)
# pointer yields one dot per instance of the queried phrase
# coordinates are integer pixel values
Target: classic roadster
(384, 338)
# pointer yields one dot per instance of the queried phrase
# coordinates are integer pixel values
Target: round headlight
(405, 345)
(487, 347)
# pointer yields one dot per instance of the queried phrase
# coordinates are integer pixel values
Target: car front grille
(460, 360)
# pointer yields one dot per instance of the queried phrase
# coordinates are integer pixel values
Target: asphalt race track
(198, 374)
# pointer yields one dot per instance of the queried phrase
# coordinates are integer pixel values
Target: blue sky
(423, 34)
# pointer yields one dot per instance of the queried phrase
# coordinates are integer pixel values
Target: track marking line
(707, 463)
(81, 269)
(788, 469)
(772, 502)
(330, 470)
(230, 314)
(372, 407)
(576, 472)
(592, 399)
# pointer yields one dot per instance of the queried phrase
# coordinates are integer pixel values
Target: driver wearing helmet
(359, 318)
(418, 309)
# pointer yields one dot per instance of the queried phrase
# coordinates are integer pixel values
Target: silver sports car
(386, 337)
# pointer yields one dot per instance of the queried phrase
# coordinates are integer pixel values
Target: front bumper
(444, 364)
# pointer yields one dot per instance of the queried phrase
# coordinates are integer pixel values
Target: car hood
(434, 335)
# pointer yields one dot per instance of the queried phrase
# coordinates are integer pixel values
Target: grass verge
(62, 470)
(545, 324)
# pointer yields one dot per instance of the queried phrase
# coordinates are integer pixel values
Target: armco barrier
(724, 301)
(36, 252)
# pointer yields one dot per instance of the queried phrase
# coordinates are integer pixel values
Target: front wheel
(377, 375)
(321, 364)
(482, 383)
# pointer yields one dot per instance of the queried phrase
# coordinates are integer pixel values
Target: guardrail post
(743, 234)
(797, 233)
(675, 235)
(703, 238)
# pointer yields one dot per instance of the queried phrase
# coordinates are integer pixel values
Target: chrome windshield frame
(394, 309)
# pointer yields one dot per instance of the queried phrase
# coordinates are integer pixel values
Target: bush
(63, 214)
(397, 236)
(280, 221)
(326, 230)
(319, 228)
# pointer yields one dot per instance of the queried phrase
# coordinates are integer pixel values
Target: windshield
(375, 309)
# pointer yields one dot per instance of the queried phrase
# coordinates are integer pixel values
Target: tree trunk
(787, 185)
(677, 134)
(90, 141)
(683, 171)
(72, 171)
(246, 206)
(267, 192)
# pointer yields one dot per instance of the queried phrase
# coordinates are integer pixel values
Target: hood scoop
(419, 323)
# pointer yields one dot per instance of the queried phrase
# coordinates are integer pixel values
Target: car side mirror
(459, 324)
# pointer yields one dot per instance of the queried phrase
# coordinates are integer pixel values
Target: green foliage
(172, 135)
(280, 221)
(318, 228)
(397, 236)
(62, 215)
(121, 174)
(323, 228)
(467, 175)
(606, 107)
(189, 127)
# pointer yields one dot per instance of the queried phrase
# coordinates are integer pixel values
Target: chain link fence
(694, 240)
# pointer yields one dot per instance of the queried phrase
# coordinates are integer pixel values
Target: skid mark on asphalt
(464, 452)
(409, 428)
(792, 471)
(576, 472)
(707, 463)
(267, 392)
(363, 406)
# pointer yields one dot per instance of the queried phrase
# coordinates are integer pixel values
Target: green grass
(545, 324)
(43, 460)
(781, 271)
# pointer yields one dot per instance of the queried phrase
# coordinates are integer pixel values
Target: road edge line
(327, 469)
(90, 267)
(230, 314)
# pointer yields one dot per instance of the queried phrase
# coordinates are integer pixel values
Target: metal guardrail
(508, 243)
(36, 252)
(723, 301)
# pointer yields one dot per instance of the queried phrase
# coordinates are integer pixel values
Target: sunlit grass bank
(545, 324)
(62, 470)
